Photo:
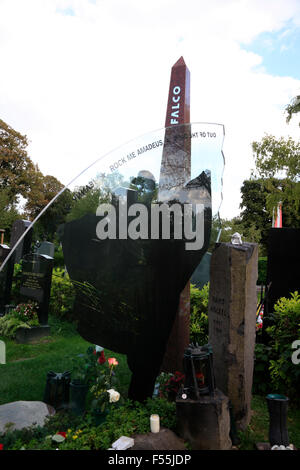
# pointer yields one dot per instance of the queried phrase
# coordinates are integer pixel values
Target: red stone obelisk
(175, 171)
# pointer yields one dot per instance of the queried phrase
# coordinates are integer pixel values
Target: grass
(23, 377)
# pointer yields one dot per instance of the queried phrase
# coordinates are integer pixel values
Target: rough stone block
(205, 423)
(232, 323)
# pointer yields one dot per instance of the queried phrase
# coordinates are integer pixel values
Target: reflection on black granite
(127, 291)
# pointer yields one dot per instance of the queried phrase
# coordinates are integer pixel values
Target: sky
(81, 77)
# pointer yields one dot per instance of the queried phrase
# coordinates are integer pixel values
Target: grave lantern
(198, 369)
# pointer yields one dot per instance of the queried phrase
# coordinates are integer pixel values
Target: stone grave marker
(6, 276)
(2, 352)
(36, 282)
(18, 228)
(178, 112)
(46, 248)
(232, 323)
(200, 276)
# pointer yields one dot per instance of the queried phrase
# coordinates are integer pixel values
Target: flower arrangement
(259, 318)
(103, 391)
(84, 368)
(169, 384)
(26, 312)
(23, 315)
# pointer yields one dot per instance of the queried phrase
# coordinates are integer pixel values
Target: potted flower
(104, 392)
(84, 372)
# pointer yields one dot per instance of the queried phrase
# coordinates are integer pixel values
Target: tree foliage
(274, 156)
(42, 191)
(16, 168)
(293, 108)
(255, 220)
(19, 176)
(279, 158)
(8, 212)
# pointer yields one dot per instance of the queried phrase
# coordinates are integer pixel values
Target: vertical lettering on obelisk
(175, 172)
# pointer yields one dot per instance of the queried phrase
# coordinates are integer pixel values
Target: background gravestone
(18, 228)
(6, 276)
(201, 274)
(46, 248)
(232, 323)
(36, 282)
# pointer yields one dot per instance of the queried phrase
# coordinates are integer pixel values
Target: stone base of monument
(205, 423)
(165, 439)
(30, 335)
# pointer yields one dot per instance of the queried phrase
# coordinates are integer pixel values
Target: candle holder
(198, 369)
(154, 423)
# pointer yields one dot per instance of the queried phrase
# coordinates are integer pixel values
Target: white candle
(154, 423)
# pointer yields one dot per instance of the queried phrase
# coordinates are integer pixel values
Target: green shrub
(261, 375)
(81, 434)
(62, 295)
(16, 284)
(262, 271)
(199, 314)
(59, 261)
(285, 375)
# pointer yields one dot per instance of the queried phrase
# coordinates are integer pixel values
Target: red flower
(62, 433)
(1, 446)
(101, 359)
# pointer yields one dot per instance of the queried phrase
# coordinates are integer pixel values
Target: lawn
(23, 377)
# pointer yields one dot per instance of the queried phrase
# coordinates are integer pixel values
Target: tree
(250, 233)
(19, 176)
(274, 156)
(42, 191)
(255, 217)
(16, 168)
(8, 213)
(279, 158)
(293, 108)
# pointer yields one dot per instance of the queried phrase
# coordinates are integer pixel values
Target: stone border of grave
(32, 334)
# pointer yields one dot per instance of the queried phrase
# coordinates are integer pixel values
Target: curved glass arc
(207, 143)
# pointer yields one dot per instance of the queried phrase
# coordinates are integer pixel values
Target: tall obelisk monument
(175, 171)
